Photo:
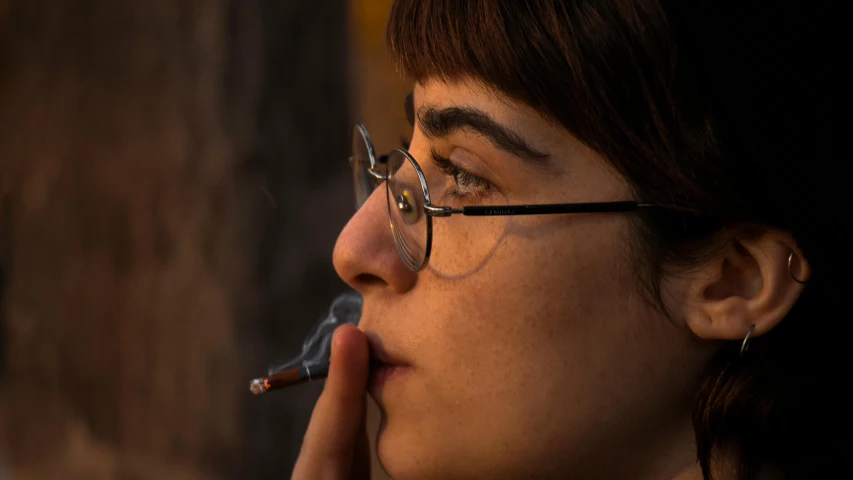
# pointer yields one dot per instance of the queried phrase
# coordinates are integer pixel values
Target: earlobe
(748, 288)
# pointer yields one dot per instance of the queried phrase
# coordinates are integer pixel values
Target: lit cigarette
(287, 378)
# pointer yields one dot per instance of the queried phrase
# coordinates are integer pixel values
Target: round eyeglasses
(411, 211)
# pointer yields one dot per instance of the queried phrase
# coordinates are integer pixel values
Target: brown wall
(174, 176)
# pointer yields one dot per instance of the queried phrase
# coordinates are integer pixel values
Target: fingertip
(342, 333)
(349, 344)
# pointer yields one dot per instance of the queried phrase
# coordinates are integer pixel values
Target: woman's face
(530, 347)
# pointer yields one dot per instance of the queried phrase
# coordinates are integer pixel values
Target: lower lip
(383, 374)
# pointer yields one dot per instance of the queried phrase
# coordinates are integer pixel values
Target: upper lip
(379, 353)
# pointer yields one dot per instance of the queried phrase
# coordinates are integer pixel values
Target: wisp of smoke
(346, 308)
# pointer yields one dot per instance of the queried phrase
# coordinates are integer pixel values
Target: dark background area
(173, 178)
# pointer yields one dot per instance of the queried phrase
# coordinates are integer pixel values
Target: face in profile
(528, 344)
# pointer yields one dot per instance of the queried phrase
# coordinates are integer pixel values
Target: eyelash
(462, 178)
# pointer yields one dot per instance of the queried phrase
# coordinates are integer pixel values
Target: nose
(365, 256)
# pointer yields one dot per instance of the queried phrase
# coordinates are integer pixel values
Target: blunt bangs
(504, 45)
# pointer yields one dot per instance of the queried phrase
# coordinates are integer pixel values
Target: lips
(379, 354)
(385, 367)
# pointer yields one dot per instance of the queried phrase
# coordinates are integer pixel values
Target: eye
(466, 185)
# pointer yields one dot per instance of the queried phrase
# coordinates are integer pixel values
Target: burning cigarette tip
(258, 386)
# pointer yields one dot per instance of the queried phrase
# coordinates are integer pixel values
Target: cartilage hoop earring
(791, 270)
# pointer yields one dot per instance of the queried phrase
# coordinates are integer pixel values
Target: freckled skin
(543, 362)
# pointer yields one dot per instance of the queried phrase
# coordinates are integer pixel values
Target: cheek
(506, 351)
(538, 303)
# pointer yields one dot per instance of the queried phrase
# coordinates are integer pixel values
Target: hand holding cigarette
(335, 445)
(313, 362)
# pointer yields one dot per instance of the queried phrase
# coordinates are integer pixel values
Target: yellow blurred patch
(369, 19)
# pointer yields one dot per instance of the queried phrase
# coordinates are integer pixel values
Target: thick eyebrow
(441, 122)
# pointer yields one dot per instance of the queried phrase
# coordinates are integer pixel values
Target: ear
(750, 282)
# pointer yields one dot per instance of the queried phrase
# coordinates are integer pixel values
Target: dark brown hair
(617, 75)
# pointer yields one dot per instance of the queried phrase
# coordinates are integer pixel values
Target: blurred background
(173, 177)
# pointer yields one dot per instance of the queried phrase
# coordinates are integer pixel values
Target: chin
(404, 458)
(407, 452)
(430, 451)
(393, 452)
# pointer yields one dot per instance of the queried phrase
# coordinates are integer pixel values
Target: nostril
(368, 280)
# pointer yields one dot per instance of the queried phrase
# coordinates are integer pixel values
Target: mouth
(385, 368)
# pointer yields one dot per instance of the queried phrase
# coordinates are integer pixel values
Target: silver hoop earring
(745, 343)
(791, 270)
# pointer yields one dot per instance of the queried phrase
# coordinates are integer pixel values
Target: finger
(337, 421)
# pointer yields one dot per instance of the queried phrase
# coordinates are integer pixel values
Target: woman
(648, 294)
